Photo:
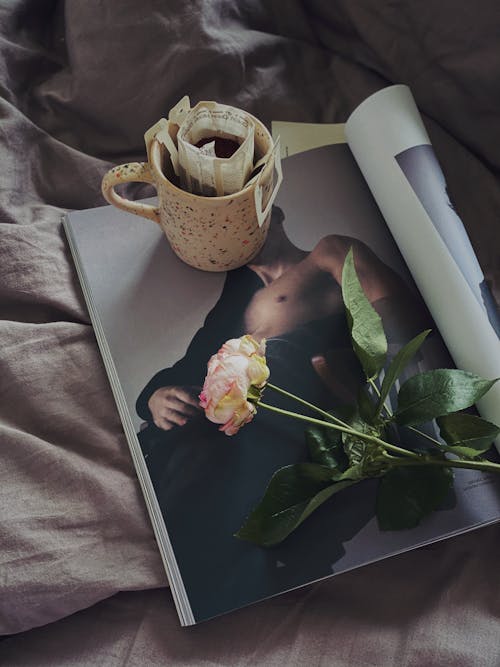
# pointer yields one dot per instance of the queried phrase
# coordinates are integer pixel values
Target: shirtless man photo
(294, 288)
(206, 482)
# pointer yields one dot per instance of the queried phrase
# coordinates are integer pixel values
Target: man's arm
(403, 311)
(187, 375)
(377, 279)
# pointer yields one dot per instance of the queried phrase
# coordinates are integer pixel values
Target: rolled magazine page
(391, 146)
(422, 169)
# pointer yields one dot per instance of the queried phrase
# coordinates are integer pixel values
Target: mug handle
(126, 173)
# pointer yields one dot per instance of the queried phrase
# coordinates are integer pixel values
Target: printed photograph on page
(206, 482)
(423, 172)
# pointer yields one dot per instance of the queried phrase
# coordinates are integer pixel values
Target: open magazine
(157, 322)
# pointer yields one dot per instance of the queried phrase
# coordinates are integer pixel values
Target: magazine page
(391, 146)
(300, 137)
(158, 321)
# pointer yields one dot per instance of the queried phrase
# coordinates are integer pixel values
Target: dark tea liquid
(223, 147)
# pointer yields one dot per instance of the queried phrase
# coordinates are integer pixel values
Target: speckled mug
(209, 233)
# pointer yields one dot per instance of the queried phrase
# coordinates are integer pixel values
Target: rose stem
(309, 405)
(488, 466)
(363, 436)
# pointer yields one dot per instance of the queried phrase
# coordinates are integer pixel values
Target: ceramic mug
(209, 233)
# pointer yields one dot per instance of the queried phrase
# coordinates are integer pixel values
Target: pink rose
(235, 378)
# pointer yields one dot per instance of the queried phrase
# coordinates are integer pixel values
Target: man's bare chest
(294, 299)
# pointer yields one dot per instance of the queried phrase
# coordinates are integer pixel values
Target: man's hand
(174, 406)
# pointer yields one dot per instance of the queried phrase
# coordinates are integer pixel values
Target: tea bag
(214, 154)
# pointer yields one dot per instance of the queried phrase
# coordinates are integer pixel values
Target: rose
(235, 378)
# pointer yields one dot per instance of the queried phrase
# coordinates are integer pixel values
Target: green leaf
(366, 459)
(365, 326)
(355, 472)
(354, 447)
(325, 447)
(436, 393)
(407, 494)
(468, 435)
(399, 363)
(293, 493)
